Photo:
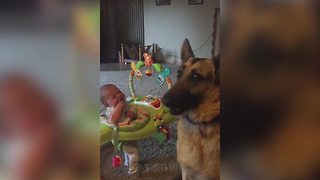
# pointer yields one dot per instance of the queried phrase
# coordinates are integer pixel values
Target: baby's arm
(116, 115)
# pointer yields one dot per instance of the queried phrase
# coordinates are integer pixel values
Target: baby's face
(112, 96)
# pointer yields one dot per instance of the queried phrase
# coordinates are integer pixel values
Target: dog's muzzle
(174, 109)
(180, 103)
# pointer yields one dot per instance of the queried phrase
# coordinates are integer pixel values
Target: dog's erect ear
(186, 51)
(216, 61)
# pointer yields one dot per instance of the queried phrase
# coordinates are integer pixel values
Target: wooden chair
(135, 53)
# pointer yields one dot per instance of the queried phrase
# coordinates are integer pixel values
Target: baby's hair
(103, 88)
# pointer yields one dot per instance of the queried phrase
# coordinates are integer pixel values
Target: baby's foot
(133, 169)
(133, 164)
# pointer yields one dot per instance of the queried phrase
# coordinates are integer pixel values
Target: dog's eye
(196, 76)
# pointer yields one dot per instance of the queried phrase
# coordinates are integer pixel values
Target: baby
(115, 110)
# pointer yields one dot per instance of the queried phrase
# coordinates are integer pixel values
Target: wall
(169, 25)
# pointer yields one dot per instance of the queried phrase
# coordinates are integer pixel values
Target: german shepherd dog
(195, 98)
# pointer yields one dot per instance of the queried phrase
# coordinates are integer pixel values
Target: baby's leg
(131, 150)
(126, 159)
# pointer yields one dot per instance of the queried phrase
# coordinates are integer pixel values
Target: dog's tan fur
(198, 145)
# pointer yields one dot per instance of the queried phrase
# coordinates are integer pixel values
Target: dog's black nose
(173, 104)
(166, 100)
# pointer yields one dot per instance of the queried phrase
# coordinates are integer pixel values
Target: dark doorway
(121, 21)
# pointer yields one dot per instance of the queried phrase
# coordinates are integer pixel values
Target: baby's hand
(131, 115)
(120, 104)
(116, 115)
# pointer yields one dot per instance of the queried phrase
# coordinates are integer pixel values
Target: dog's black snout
(166, 100)
(172, 103)
(180, 102)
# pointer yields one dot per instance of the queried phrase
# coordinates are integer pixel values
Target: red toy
(116, 161)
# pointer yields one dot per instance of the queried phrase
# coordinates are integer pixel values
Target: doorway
(121, 21)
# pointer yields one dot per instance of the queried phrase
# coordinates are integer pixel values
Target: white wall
(169, 25)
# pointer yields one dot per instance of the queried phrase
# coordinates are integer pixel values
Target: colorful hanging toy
(116, 159)
(149, 65)
(163, 131)
(148, 61)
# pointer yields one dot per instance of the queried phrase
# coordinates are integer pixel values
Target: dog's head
(197, 79)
